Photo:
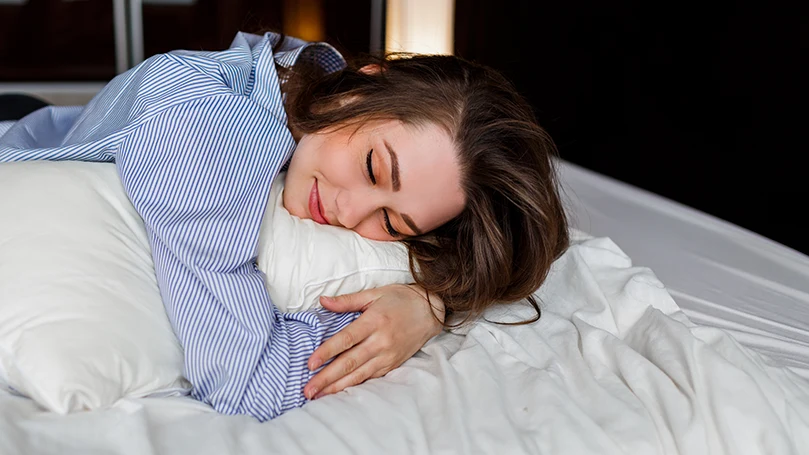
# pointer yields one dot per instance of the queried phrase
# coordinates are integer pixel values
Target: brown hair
(500, 248)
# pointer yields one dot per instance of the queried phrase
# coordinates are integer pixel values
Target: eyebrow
(397, 184)
(409, 222)
(394, 167)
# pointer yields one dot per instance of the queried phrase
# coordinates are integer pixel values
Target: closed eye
(388, 226)
(370, 165)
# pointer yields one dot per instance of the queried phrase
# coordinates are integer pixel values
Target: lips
(315, 207)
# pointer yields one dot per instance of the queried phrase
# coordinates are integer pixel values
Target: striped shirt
(197, 138)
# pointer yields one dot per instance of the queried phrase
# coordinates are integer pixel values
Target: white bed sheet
(721, 275)
(613, 367)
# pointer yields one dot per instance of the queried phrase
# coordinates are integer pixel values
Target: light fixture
(422, 26)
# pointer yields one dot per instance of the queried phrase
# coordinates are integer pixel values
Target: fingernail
(312, 393)
(314, 364)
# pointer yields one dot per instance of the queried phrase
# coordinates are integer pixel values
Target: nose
(355, 206)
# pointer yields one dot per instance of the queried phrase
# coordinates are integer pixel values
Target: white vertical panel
(422, 26)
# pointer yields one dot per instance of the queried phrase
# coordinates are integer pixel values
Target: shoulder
(247, 68)
(250, 50)
(291, 50)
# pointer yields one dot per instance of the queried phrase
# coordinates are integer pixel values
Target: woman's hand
(396, 322)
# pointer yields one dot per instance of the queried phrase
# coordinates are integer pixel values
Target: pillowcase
(303, 260)
(81, 319)
(82, 323)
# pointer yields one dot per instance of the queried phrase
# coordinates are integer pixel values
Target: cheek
(341, 170)
(296, 189)
(290, 201)
(371, 229)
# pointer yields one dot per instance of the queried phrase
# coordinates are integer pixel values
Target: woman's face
(385, 180)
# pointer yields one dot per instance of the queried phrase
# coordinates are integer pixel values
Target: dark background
(701, 102)
(704, 103)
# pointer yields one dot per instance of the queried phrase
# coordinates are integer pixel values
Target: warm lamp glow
(304, 19)
(422, 26)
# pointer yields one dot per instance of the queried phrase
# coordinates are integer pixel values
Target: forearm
(201, 189)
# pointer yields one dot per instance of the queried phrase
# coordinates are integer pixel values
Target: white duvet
(612, 367)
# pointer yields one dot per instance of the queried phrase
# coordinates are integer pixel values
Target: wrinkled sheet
(720, 274)
(613, 367)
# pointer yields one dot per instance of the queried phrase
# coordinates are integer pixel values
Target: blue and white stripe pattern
(198, 138)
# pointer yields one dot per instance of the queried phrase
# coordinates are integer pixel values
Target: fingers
(393, 325)
(344, 340)
(356, 364)
(348, 302)
(367, 371)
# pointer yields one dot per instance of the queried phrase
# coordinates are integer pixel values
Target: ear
(371, 69)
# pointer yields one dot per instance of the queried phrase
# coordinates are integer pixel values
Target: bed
(664, 331)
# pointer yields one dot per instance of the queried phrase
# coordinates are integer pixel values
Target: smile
(315, 207)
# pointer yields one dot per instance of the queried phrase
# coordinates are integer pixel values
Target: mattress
(664, 331)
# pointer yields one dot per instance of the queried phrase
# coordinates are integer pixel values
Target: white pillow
(81, 319)
(303, 260)
(82, 323)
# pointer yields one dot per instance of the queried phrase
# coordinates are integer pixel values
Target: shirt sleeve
(198, 138)
(93, 132)
(200, 174)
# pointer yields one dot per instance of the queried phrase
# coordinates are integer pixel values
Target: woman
(432, 151)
